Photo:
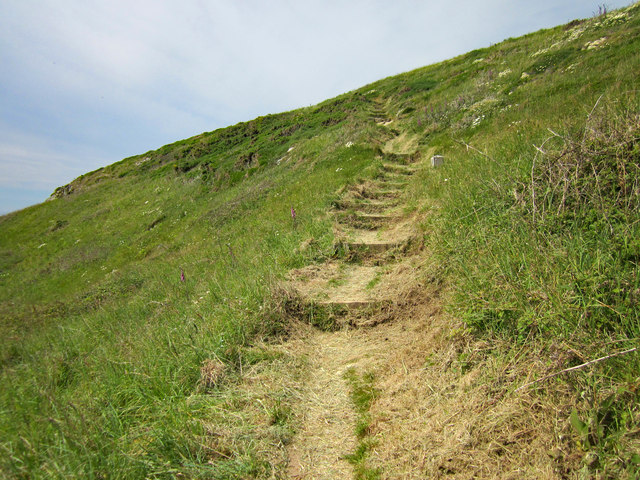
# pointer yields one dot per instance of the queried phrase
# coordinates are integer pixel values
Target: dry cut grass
(444, 407)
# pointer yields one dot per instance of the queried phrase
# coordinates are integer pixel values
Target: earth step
(378, 194)
(393, 177)
(402, 158)
(398, 169)
(374, 247)
(370, 191)
(380, 241)
(368, 206)
(339, 285)
(366, 221)
(348, 304)
(376, 217)
(373, 191)
(387, 185)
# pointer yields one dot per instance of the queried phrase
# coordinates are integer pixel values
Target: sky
(86, 83)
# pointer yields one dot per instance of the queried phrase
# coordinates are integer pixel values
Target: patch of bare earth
(325, 412)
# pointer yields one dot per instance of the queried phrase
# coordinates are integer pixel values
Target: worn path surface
(369, 225)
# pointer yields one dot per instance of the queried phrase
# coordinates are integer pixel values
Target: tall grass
(540, 241)
(104, 367)
(549, 247)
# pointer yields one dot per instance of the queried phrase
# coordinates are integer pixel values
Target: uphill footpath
(354, 296)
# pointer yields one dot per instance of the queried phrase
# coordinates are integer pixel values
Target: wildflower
(181, 275)
(477, 120)
(293, 213)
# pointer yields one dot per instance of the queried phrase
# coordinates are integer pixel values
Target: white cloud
(28, 162)
(87, 83)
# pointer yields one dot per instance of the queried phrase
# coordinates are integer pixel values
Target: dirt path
(326, 412)
(327, 415)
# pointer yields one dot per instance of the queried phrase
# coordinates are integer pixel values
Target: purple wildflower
(181, 275)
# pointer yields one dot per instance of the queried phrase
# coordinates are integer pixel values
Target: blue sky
(84, 84)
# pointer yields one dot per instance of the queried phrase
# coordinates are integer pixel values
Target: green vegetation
(363, 393)
(112, 366)
(104, 347)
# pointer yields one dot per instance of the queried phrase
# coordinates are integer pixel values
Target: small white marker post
(437, 160)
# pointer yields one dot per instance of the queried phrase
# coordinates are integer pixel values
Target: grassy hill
(135, 301)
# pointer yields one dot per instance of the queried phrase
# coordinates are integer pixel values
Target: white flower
(477, 120)
(599, 43)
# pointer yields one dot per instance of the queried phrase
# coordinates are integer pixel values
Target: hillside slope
(162, 317)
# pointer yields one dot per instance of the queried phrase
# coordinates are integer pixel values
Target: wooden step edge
(372, 247)
(349, 304)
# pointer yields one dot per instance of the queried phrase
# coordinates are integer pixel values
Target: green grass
(102, 343)
(363, 393)
(102, 346)
(374, 281)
